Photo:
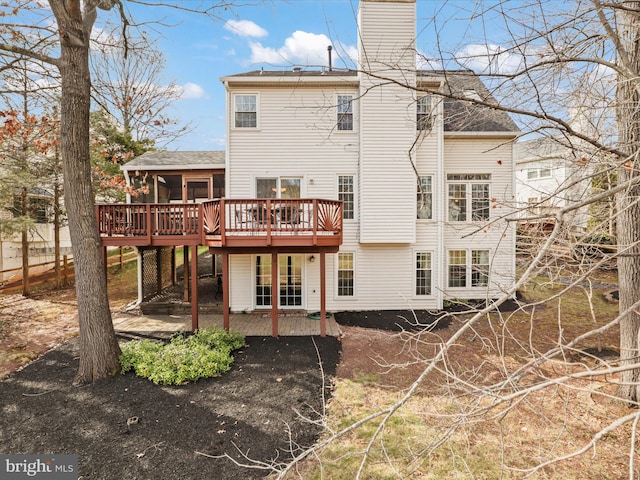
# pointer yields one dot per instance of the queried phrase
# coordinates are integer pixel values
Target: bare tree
(70, 30)
(128, 84)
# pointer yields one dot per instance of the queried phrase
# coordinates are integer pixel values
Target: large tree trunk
(628, 205)
(99, 348)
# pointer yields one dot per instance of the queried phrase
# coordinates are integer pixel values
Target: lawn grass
(452, 430)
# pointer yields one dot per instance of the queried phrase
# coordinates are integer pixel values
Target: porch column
(225, 290)
(194, 287)
(323, 295)
(275, 294)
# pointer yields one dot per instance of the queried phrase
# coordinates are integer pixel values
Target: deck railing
(219, 220)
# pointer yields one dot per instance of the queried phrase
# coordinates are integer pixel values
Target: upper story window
(345, 112)
(469, 197)
(425, 198)
(424, 120)
(246, 111)
(346, 193)
(538, 172)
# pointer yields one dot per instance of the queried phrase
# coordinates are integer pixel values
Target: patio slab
(248, 324)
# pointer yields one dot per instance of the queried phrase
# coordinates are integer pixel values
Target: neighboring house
(41, 237)
(549, 176)
(345, 190)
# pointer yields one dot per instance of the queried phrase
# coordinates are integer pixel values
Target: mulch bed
(260, 408)
(255, 409)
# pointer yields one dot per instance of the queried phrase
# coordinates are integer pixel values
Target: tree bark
(628, 202)
(99, 350)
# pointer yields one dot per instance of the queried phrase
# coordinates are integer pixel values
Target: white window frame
(469, 268)
(340, 102)
(418, 268)
(424, 113)
(257, 112)
(353, 273)
(483, 269)
(341, 194)
(424, 193)
(278, 187)
(540, 172)
(463, 184)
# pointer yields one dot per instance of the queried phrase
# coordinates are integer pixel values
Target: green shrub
(206, 353)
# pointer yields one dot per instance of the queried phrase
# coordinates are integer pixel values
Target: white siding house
(370, 142)
(549, 176)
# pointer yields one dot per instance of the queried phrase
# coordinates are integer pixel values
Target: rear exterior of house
(426, 184)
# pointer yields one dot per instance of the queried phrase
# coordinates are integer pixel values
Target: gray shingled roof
(459, 115)
(465, 116)
(163, 160)
(297, 73)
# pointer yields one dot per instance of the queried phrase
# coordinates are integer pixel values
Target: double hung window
(424, 120)
(346, 193)
(425, 198)
(346, 274)
(423, 273)
(345, 112)
(246, 111)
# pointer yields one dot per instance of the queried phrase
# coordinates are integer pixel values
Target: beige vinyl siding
(384, 279)
(307, 115)
(388, 129)
(494, 156)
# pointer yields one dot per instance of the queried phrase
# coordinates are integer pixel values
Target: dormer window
(424, 119)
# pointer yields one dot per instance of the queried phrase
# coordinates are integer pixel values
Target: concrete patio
(249, 324)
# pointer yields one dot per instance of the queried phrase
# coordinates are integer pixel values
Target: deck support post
(185, 270)
(323, 295)
(225, 290)
(194, 288)
(275, 293)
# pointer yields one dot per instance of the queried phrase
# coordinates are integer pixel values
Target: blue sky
(272, 35)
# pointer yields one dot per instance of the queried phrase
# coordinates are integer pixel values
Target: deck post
(225, 290)
(323, 295)
(185, 271)
(275, 293)
(194, 288)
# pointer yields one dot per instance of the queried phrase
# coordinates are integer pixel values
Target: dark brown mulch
(251, 409)
(412, 320)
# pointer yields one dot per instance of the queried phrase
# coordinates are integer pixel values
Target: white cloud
(489, 59)
(301, 48)
(190, 91)
(245, 28)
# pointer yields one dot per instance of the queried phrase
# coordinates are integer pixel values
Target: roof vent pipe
(329, 48)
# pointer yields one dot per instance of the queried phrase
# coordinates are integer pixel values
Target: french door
(289, 281)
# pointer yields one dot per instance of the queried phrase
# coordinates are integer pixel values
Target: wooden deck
(231, 224)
